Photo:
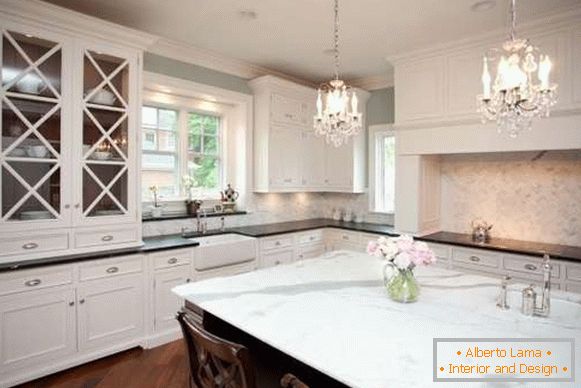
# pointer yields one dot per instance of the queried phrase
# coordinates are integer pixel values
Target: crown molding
(39, 13)
(553, 22)
(215, 61)
(373, 82)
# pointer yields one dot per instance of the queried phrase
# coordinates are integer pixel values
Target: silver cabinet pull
(107, 238)
(82, 301)
(312, 238)
(475, 259)
(71, 303)
(345, 237)
(288, 180)
(67, 206)
(188, 280)
(531, 267)
(77, 205)
(32, 283)
(30, 246)
(112, 269)
(277, 243)
(173, 260)
(277, 262)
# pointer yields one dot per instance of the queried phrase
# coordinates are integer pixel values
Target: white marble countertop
(333, 314)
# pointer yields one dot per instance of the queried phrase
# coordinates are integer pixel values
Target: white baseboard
(159, 339)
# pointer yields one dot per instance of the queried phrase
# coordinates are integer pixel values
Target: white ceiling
(290, 36)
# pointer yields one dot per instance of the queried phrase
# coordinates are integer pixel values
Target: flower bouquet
(403, 254)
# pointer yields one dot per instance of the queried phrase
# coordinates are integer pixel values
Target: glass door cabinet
(34, 150)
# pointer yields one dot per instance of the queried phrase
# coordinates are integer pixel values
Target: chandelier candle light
(521, 89)
(337, 115)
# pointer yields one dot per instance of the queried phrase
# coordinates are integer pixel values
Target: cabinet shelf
(110, 108)
(30, 159)
(32, 97)
(106, 162)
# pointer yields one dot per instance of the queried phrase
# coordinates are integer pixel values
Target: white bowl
(36, 215)
(102, 155)
(38, 151)
(103, 97)
(18, 151)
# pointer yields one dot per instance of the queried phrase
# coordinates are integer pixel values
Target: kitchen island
(333, 314)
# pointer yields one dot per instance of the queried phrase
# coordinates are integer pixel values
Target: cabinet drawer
(110, 267)
(34, 279)
(172, 258)
(103, 237)
(310, 237)
(277, 242)
(573, 287)
(274, 258)
(475, 258)
(310, 251)
(442, 252)
(33, 244)
(573, 272)
(345, 236)
(530, 265)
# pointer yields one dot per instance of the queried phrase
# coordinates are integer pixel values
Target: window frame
(182, 151)
(377, 133)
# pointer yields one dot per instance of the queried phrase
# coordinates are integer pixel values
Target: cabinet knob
(277, 262)
(77, 205)
(82, 301)
(173, 260)
(67, 206)
(107, 238)
(188, 280)
(277, 243)
(475, 259)
(288, 180)
(32, 283)
(112, 270)
(29, 246)
(530, 267)
(71, 303)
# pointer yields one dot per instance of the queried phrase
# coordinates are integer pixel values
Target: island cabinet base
(270, 363)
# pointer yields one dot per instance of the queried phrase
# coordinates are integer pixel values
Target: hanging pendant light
(521, 90)
(337, 116)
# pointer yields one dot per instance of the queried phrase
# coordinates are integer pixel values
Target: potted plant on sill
(156, 208)
(192, 205)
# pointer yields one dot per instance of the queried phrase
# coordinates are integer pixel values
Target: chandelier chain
(512, 20)
(336, 37)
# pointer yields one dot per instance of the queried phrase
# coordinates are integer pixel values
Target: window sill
(180, 216)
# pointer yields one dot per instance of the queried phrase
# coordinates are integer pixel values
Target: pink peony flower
(373, 248)
(405, 243)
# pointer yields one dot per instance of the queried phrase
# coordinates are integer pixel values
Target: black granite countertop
(563, 252)
(159, 243)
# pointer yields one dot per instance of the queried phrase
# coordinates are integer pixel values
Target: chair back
(215, 362)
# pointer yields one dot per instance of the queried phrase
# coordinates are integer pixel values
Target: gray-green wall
(380, 107)
(171, 67)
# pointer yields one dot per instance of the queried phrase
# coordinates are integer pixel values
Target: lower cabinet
(276, 257)
(110, 311)
(166, 303)
(36, 328)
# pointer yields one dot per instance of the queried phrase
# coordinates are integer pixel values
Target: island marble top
(333, 314)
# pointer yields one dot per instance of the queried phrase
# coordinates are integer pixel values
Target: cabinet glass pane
(105, 79)
(30, 191)
(104, 190)
(30, 65)
(104, 135)
(30, 129)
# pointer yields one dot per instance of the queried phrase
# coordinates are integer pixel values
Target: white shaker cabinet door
(110, 311)
(313, 161)
(285, 144)
(167, 304)
(339, 167)
(36, 327)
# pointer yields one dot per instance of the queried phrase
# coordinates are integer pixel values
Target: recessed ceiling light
(247, 14)
(483, 5)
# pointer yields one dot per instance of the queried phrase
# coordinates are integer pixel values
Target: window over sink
(382, 169)
(179, 142)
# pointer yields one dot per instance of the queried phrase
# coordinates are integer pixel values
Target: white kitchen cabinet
(69, 151)
(288, 156)
(37, 327)
(310, 251)
(110, 311)
(166, 303)
(313, 161)
(285, 148)
(277, 257)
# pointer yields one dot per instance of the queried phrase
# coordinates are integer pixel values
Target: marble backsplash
(526, 195)
(272, 208)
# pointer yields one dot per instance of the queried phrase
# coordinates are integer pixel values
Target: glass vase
(401, 284)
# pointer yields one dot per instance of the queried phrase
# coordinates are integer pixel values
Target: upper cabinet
(289, 156)
(69, 126)
(440, 86)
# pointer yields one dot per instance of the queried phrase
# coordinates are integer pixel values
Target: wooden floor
(164, 366)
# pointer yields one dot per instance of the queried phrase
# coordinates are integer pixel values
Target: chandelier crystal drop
(521, 89)
(337, 116)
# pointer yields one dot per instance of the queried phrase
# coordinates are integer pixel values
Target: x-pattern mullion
(106, 79)
(32, 128)
(32, 190)
(32, 65)
(106, 190)
(107, 133)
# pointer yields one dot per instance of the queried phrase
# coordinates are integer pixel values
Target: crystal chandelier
(521, 89)
(337, 116)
